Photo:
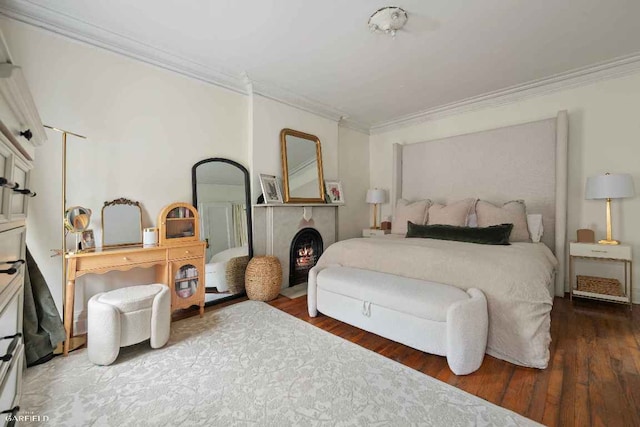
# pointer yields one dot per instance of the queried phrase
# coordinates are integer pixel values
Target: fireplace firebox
(306, 248)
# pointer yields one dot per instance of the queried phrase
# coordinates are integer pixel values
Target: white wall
(353, 169)
(604, 136)
(146, 127)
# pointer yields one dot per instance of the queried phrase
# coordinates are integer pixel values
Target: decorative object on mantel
(586, 235)
(263, 278)
(609, 186)
(301, 167)
(375, 197)
(334, 191)
(270, 189)
(121, 223)
(388, 20)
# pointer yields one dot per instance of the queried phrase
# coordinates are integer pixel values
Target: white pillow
(534, 223)
(455, 213)
(513, 212)
(416, 212)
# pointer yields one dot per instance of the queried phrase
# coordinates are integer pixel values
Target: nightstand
(372, 232)
(595, 287)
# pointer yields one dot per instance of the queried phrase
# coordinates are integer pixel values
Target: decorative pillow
(406, 211)
(514, 212)
(494, 235)
(534, 223)
(451, 214)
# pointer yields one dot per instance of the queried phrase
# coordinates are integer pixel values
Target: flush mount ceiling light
(388, 20)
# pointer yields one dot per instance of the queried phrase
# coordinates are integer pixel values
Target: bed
(528, 162)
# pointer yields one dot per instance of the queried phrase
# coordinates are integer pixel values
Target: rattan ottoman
(263, 278)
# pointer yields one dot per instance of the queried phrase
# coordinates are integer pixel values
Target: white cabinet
(21, 131)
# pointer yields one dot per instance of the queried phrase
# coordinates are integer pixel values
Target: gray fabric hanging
(42, 326)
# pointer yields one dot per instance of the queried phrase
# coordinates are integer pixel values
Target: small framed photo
(88, 241)
(270, 189)
(334, 191)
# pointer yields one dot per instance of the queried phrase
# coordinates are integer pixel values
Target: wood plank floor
(593, 376)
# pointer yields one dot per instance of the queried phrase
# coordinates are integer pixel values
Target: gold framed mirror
(121, 223)
(301, 167)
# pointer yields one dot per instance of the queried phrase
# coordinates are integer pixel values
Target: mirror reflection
(121, 223)
(302, 167)
(77, 219)
(221, 195)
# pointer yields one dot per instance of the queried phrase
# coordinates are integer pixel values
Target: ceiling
(321, 56)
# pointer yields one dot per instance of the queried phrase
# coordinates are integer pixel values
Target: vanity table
(167, 261)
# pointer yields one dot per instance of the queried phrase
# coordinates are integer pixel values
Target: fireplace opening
(306, 248)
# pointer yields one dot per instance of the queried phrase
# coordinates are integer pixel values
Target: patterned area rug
(249, 364)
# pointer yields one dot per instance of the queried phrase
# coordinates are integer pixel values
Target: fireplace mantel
(274, 228)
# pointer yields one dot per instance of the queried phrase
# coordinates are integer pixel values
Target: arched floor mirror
(222, 196)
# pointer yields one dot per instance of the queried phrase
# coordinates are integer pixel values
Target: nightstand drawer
(592, 250)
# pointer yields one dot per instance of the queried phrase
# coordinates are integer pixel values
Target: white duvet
(515, 279)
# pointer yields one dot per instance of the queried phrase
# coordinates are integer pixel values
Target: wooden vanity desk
(169, 262)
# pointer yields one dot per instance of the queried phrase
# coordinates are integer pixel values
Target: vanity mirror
(77, 218)
(76, 221)
(121, 223)
(301, 167)
(221, 195)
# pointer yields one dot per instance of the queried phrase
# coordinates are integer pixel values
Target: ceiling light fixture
(388, 20)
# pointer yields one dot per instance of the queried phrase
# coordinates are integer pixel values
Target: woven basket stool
(263, 278)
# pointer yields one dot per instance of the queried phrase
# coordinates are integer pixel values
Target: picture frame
(271, 189)
(334, 192)
(87, 240)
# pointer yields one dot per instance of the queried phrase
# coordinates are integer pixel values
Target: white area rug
(295, 291)
(249, 364)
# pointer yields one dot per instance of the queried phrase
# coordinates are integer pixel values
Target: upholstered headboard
(526, 161)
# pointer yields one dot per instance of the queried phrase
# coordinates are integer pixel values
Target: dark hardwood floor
(593, 376)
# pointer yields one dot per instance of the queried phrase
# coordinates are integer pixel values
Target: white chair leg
(161, 318)
(103, 332)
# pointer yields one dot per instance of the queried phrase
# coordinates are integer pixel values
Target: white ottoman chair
(127, 316)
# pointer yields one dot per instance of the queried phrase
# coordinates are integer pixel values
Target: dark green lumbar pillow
(494, 235)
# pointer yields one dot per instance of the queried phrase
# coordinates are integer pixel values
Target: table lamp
(375, 197)
(609, 186)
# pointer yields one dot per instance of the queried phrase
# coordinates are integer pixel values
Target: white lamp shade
(613, 186)
(376, 196)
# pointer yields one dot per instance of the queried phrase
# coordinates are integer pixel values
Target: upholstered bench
(127, 316)
(432, 317)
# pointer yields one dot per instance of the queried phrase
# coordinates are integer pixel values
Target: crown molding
(618, 67)
(79, 30)
(59, 23)
(356, 125)
(43, 17)
(287, 97)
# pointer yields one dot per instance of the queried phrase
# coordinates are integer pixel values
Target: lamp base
(608, 242)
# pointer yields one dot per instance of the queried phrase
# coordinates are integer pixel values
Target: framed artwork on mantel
(335, 194)
(271, 189)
